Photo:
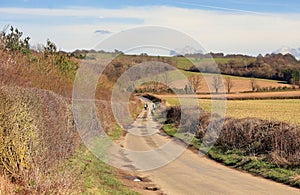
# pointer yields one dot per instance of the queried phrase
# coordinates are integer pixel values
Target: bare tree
(217, 83)
(39, 47)
(254, 85)
(156, 84)
(195, 82)
(166, 79)
(295, 78)
(229, 84)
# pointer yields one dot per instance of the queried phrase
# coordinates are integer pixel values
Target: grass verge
(169, 129)
(255, 165)
(94, 176)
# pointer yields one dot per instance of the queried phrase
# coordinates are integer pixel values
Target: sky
(229, 26)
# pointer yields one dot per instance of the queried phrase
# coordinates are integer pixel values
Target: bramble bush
(279, 142)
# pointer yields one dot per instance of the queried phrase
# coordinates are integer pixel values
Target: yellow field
(287, 110)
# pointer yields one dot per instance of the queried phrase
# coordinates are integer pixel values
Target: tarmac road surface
(189, 173)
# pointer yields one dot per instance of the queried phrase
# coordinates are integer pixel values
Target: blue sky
(249, 5)
(230, 26)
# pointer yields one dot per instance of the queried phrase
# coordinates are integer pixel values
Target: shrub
(36, 132)
(13, 41)
(173, 115)
(278, 142)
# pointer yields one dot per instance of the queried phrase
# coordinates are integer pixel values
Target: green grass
(94, 176)
(256, 166)
(182, 63)
(115, 133)
(101, 55)
(190, 74)
(170, 129)
(237, 159)
(186, 63)
(175, 75)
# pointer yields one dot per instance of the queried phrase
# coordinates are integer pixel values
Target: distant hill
(279, 66)
(287, 50)
(186, 50)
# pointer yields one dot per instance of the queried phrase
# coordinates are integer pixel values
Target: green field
(187, 62)
(175, 75)
(286, 110)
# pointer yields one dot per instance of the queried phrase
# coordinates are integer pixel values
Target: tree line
(271, 66)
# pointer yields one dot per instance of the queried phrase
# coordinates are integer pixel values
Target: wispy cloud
(103, 32)
(259, 3)
(217, 29)
(218, 8)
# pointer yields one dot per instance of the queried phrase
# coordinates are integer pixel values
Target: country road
(189, 173)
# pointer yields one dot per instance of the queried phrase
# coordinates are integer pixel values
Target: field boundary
(238, 96)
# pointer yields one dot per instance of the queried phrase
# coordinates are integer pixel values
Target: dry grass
(34, 166)
(239, 96)
(255, 96)
(6, 187)
(285, 110)
(19, 70)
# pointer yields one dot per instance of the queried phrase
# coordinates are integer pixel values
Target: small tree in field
(229, 84)
(254, 85)
(195, 82)
(166, 79)
(296, 78)
(217, 83)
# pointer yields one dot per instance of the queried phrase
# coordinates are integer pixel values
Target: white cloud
(216, 30)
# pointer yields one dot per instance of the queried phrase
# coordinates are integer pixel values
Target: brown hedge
(36, 130)
(278, 141)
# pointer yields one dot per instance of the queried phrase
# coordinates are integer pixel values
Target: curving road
(189, 173)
